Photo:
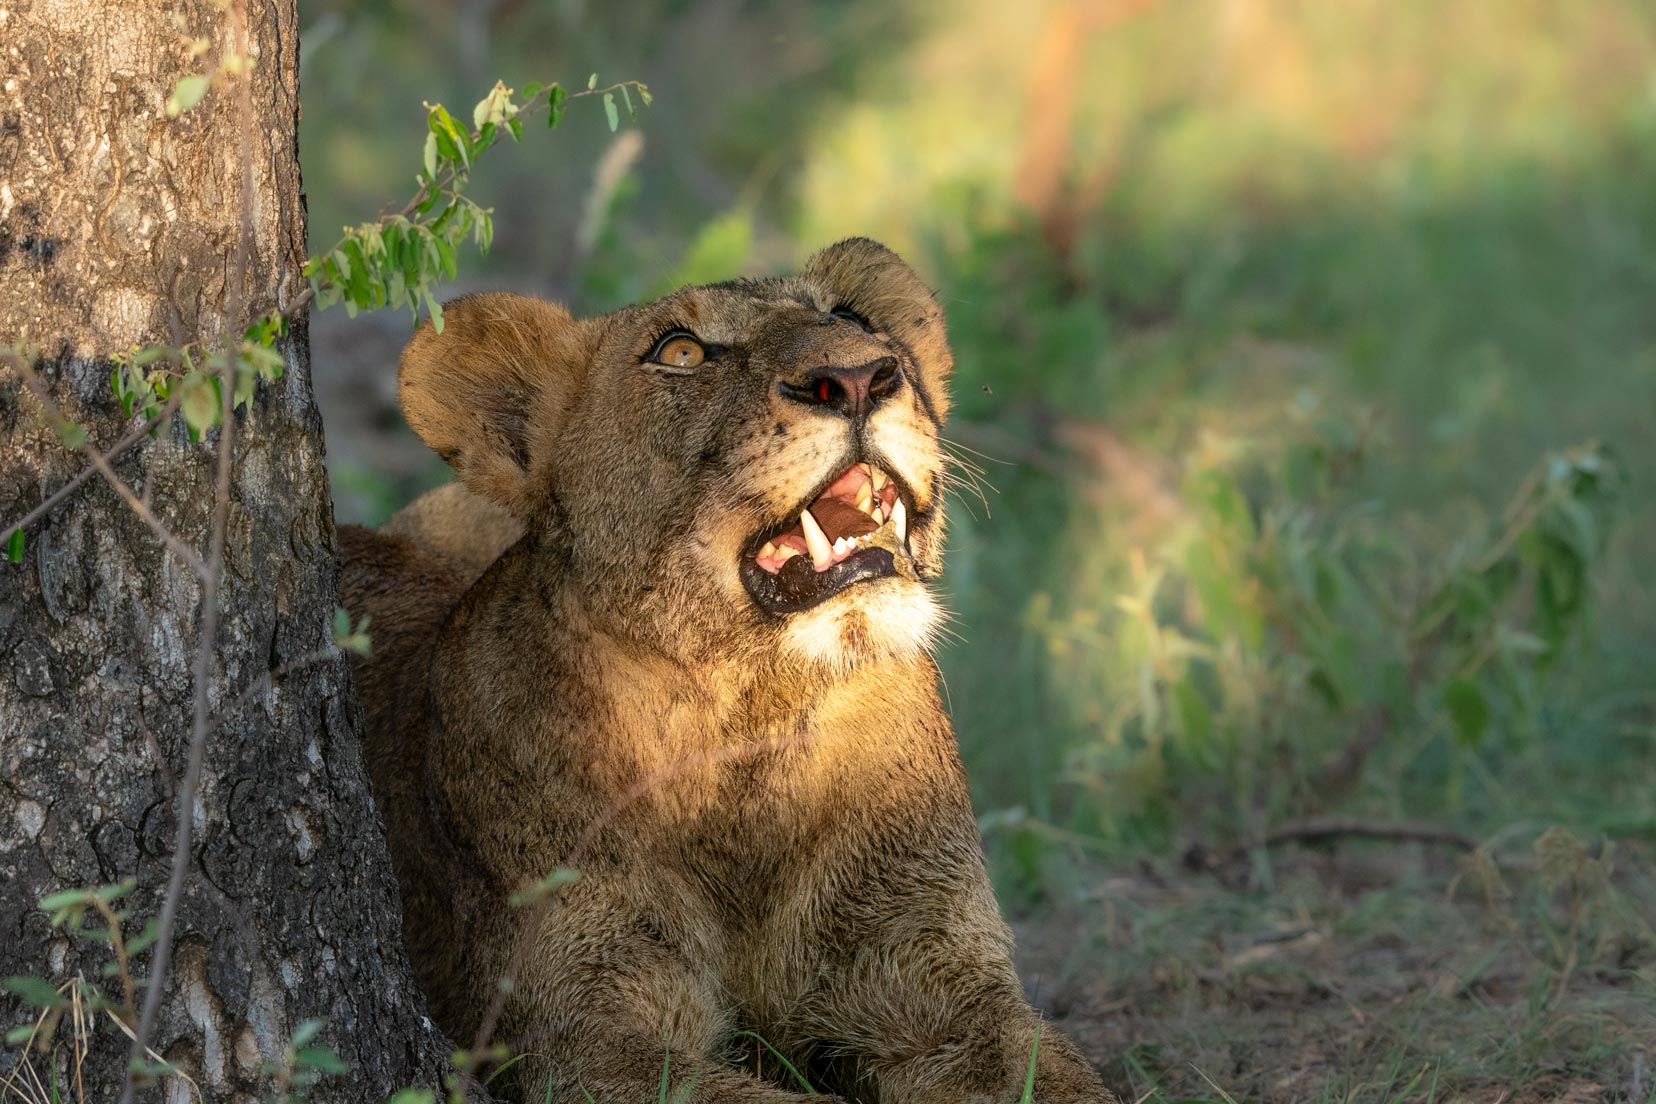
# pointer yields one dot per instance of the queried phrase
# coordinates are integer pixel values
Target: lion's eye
(679, 350)
(852, 316)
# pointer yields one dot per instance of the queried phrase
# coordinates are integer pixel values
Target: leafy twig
(37, 387)
(433, 184)
(110, 454)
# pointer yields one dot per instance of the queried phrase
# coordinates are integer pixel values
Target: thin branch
(38, 388)
(1335, 779)
(285, 310)
(206, 646)
(86, 473)
(442, 183)
(268, 679)
(123, 964)
(1323, 829)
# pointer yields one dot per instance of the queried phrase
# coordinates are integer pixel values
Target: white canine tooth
(879, 519)
(822, 553)
(899, 519)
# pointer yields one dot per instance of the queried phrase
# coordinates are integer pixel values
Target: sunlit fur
(768, 811)
(885, 619)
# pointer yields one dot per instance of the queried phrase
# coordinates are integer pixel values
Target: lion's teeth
(865, 498)
(899, 519)
(787, 552)
(878, 477)
(879, 519)
(768, 551)
(839, 546)
(822, 553)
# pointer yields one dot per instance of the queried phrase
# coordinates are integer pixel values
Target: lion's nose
(851, 391)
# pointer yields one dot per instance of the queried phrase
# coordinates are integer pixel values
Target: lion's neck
(558, 684)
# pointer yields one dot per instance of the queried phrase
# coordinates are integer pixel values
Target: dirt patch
(1363, 973)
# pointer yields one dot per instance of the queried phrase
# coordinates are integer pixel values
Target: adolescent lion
(700, 677)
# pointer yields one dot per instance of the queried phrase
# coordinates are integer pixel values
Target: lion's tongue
(839, 518)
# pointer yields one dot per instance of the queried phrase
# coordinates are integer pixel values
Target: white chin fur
(881, 620)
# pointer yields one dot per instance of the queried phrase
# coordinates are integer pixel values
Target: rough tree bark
(117, 226)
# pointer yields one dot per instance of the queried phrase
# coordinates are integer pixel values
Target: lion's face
(752, 465)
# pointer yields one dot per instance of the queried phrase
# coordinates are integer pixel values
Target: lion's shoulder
(467, 529)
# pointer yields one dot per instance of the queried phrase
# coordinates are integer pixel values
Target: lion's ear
(489, 393)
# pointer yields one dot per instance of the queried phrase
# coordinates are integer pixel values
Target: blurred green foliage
(1280, 356)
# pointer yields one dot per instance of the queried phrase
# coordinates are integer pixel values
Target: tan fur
(767, 811)
(455, 522)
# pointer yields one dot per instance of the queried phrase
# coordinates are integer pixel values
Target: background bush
(1308, 348)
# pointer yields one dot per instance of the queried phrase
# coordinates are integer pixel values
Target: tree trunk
(118, 226)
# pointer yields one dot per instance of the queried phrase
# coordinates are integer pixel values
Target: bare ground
(1364, 972)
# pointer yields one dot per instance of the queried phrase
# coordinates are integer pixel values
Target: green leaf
(14, 546)
(186, 94)
(71, 433)
(555, 105)
(430, 157)
(341, 623)
(145, 939)
(644, 94)
(545, 887)
(495, 108)
(1219, 492)
(1029, 1077)
(626, 97)
(592, 82)
(64, 898)
(451, 142)
(504, 1066)
(1195, 719)
(36, 991)
(17, 1036)
(1468, 709)
(777, 1054)
(305, 1032)
(413, 1096)
(357, 281)
(1226, 596)
(610, 112)
(445, 256)
(200, 405)
(436, 313)
(530, 91)
(246, 382)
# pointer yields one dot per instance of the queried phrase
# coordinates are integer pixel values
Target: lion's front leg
(605, 1012)
(936, 1011)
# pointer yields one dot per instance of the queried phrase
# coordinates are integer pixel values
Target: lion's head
(750, 466)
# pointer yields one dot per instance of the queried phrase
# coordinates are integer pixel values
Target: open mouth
(854, 530)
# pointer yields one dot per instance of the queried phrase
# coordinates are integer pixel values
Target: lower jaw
(795, 589)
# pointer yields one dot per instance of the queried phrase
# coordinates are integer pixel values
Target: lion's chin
(879, 620)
